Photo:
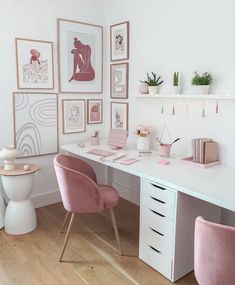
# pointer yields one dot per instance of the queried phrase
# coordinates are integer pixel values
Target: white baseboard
(45, 199)
(127, 193)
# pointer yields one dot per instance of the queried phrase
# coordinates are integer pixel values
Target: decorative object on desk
(143, 88)
(204, 150)
(202, 82)
(35, 123)
(95, 140)
(35, 68)
(143, 142)
(153, 83)
(74, 118)
(119, 80)
(189, 160)
(165, 149)
(8, 154)
(119, 41)
(117, 139)
(80, 49)
(26, 167)
(176, 87)
(94, 111)
(119, 115)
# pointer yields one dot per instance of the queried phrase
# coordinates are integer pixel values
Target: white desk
(183, 185)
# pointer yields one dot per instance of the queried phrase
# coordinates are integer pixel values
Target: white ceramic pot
(143, 143)
(176, 89)
(153, 90)
(143, 88)
(202, 89)
(8, 154)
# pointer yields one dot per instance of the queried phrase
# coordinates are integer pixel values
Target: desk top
(19, 170)
(215, 185)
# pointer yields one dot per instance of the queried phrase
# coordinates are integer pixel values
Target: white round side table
(20, 216)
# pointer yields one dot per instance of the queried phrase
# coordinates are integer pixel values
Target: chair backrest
(214, 253)
(77, 184)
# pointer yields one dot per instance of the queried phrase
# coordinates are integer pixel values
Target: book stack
(204, 150)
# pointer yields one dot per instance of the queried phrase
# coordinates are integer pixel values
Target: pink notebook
(100, 152)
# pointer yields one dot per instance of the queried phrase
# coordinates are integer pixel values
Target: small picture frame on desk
(119, 116)
(119, 80)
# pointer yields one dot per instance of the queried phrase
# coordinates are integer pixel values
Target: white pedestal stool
(20, 217)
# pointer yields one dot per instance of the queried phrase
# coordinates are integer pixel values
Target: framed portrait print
(35, 123)
(80, 52)
(119, 116)
(119, 41)
(34, 61)
(74, 118)
(94, 111)
(119, 80)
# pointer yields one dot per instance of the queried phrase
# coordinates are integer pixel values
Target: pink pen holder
(95, 140)
(165, 150)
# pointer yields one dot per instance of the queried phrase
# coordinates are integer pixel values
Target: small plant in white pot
(176, 87)
(202, 82)
(153, 83)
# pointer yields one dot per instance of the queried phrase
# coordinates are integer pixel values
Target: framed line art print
(119, 41)
(74, 116)
(119, 116)
(34, 61)
(94, 111)
(35, 123)
(80, 55)
(119, 80)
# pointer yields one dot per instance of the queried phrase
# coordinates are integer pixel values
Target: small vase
(176, 89)
(153, 90)
(143, 144)
(143, 88)
(8, 154)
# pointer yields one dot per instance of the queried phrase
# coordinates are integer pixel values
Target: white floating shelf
(188, 96)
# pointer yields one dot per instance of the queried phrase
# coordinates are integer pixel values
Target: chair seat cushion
(110, 196)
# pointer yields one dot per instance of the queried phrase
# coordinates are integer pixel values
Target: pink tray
(189, 160)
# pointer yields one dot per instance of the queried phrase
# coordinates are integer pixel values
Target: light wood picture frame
(35, 123)
(80, 57)
(119, 41)
(119, 116)
(74, 115)
(119, 80)
(34, 64)
(94, 111)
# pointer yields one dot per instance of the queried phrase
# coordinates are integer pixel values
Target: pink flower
(144, 130)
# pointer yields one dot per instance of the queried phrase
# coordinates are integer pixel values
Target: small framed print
(34, 61)
(119, 80)
(119, 41)
(119, 116)
(94, 111)
(74, 118)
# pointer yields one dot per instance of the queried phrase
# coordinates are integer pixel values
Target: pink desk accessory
(127, 161)
(189, 160)
(163, 162)
(100, 152)
(117, 139)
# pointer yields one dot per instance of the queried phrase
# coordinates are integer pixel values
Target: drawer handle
(158, 200)
(158, 251)
(157, 232)
(159, 187)
(161, 215)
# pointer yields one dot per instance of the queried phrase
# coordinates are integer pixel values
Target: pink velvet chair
(81, 194)
(214, 253)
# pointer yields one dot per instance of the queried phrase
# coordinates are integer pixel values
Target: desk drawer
(158, 192)
(155, 239)
(158, 205)
(160, 262)
(159, 223)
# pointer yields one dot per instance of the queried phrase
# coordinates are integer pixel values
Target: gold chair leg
(67, 236)
(114, 223)
(65, 221)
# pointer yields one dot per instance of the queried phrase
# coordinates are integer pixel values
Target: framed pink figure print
(80, 57)
(94, 111)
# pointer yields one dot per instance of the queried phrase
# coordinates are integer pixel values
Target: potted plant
(202, 82)
(176, 87)
(143, 142)
(153, 83)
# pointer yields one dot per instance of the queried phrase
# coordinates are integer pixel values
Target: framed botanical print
(35, 123)
(94, 111)
(74, 118)
(119, 116)
(34, 60)
(80, 52)
(119, 80)
(119, 41)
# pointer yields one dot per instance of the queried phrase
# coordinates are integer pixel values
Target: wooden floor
(91, 256)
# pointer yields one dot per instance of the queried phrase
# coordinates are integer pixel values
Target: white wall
(25, 19)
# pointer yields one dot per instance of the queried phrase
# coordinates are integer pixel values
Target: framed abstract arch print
(80, 52)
